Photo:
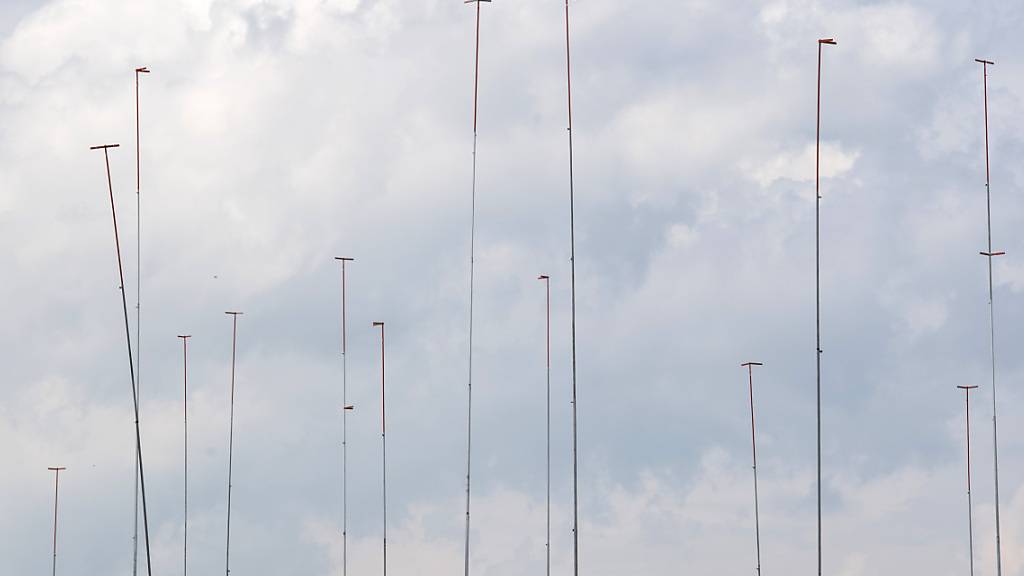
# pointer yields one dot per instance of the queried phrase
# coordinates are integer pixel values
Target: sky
(276, 135)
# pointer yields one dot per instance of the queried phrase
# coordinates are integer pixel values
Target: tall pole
(231, 437)
(992, 318)
(547, 332)
(572, 289)
(138, 298)
(753, 443)
(56, 492)
(345, 408)
(384, 444)
(472, 264)
(131, 362)
(184, 403)
(817, 275)
(970, 504)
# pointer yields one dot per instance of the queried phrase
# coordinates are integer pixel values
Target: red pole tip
(827, 41)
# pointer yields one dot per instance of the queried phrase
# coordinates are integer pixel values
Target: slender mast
(992, 318)
(547, 332)
(345, 408)
(56, 492)
(572, 289)
(231, 438)
(970, 504)
(128, 341)
(384, 445)
(138, 301)
(817, 275)
(753, 444)
(472, 264)
(184, 402)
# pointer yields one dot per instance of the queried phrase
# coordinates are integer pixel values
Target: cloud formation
(276, 135)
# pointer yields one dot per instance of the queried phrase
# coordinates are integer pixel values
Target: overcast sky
(278, 134)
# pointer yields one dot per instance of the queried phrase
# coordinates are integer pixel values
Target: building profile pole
(184, 402)
(572, 290)
(970, 503)
(472, 271)
(138, 300)
(56, 491)
(992, 318)
(817, 275)
(547, 331)
(345, 409)
(128, 341)
(231, 438)
(753, 444)
(384, 445)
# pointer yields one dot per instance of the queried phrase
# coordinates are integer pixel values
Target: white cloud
(798, 165)
(277, 135)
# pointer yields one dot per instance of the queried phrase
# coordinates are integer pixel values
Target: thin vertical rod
(572, 288)
(472, 271)
(547, 331)
(184, 397)
(992, 326)
(344, 423)
(384, 445)
(817, 287)
(344, 431)
(753, 444)
(56, 492)
(231, 439)
(138, 302)
(970, 504)
(131, 362)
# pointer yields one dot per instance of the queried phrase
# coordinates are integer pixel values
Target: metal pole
(547, 331)
(131, 362)
(970, 504)
(345, 408)
(572, 289)
(753, 443)
(472, 264)
(184, 402)
(991, 318)
(817, 275)
(384, 445)
(138, 300)
(56, 488)
(231, 437)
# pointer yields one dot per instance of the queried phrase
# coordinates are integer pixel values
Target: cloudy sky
(278, 134)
